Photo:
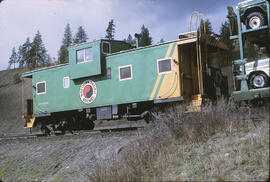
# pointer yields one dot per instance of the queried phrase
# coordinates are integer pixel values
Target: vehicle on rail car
(254, 13)
(110, 79)
(251, 78)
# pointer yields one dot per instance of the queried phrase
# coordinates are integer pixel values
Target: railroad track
(97, 130)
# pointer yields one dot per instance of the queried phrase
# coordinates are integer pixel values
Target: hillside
(11, 120)
(221, 143)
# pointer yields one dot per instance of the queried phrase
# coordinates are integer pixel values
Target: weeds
(16, 78)
(222, 142)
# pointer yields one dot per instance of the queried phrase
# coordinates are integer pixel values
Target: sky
(165, 19)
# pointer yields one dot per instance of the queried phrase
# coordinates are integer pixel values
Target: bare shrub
(196, 126)
(139, 161)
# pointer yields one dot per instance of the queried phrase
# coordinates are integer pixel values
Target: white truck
(258, 73)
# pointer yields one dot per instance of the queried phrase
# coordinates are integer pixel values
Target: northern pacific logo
(88, 91)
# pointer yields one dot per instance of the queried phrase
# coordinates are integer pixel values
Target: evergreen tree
(110, 30)
(12, 58)
(80, 36)
(145, 39)
(233, 21)
(48, 60)
(225, 34)
(39, 56)
(208, 27)
(24, 54)
(130, 40)
(63, 55)
(67, 41)
(19, 56)
(161, 40)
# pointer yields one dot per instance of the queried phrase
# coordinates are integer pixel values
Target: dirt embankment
(61, 158)
(11, 120)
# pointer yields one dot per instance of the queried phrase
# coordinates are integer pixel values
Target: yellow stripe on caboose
(170, 86)
(159, 76)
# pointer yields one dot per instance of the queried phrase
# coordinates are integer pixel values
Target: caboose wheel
(148, 116)
(44, 130)
(87, 124)
(91, 125)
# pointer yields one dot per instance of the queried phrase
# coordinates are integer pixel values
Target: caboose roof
(30, 73)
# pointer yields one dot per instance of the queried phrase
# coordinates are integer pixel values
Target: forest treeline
(33, 53)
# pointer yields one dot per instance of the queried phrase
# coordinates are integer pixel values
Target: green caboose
(109, 79)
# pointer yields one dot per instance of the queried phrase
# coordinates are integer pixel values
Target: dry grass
(221, 142)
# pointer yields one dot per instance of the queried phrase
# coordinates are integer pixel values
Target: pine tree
(63, 55)
(130, 40)
(225, 34)
(233, 21)
(38, 52)
(161, 40)
(208, 26)
(80, 36)
(145, 39)
(12, 58)
(110, 30)
(24, 54)
(19, 56)
(67, 41)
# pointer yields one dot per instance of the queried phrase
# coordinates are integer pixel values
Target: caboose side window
(41, 87)
(125, 72)
(164, 65)
(106, 47)
(66, 82)
(84, 55)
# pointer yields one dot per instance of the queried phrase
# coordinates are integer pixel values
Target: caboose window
(164, 65)
(80, 56)
(84, 55)
(106, 47)
(66, 82)
(125, 72)
(41, 88)
(88, 54)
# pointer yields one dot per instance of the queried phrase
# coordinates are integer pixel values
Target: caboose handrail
(198, 20)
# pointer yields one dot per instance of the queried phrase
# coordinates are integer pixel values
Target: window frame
(131, 72)
(110, 50)
(44, 89)
(66, 77)
(166, 72)
(84, 55)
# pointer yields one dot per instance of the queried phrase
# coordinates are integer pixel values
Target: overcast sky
(165, 19)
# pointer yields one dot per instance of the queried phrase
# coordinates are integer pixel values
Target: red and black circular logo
(88, 91)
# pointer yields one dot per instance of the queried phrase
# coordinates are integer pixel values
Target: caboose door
(188, 69)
